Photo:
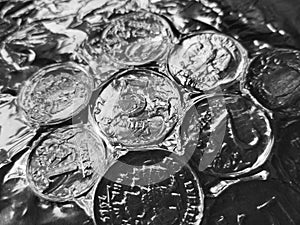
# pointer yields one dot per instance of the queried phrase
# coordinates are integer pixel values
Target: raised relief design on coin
(66, 163)
(137, 108)
(136, 38)
(55, 93)
(149, 187)
(207, 60)
(274, 79)
(226, 141)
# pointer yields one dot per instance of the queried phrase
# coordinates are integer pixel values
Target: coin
(206, 60)
(274, 78)
(137, 108)
(136, 38)
(149, 187)
(66, 163)
(55, 93)
(226, 135)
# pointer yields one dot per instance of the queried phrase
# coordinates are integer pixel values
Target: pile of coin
(169, 110)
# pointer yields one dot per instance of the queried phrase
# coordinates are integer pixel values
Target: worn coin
(207, 60)
(55, 93)
(66, 163)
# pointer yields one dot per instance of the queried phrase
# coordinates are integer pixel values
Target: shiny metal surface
(149, 112)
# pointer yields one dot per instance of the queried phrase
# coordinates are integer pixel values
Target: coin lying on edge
(274, 80)
(136, 38)
(137, 108)
(66, 163)
(55, 93)
(149, 187)
(206, 60)
(227, 135)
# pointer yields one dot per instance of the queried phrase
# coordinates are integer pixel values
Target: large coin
(55, 93)
(274, 79)
(207, 60)
(226, 135)
(137, 108)
(149, 187)
(136, 38)
(66, 163)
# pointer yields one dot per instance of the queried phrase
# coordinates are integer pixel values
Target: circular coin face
(136, 38)
(274, 79)
(207, 60)
(149, 187)
(66, 163)
(226, 135)
(55, 93)
(137, 108)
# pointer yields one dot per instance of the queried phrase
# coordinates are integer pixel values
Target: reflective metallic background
(149, 112)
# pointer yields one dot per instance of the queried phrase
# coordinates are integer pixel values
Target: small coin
(226, 135)
(274, 79)
(66, 163)
(136, 38)
(256, 202)
(207, 60)
(149, 187)
(55, 93)
(137, 108)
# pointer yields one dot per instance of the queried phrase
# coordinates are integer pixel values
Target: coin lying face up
(226, 135)
(207, 60)
(150, 187)
(137, 108)
(66, 163)
(136, 38)
(274, 79)
(55, 93)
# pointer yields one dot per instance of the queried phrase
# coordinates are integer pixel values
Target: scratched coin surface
(149, 187)
(136, 38)
(274, 79)
(66, 163)
(55, 93)
(256, 202)
(137, 108)
(226, 135)
(207, 60)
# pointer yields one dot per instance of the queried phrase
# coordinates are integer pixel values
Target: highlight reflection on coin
(66, 163)
(274, 79)
(55, 93)
(139, 107)
(207, 60)
(227, 141)
(136, 38)
(149, 187)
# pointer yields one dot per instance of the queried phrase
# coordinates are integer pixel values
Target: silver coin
(274, 78)
(66, 163)
(149, 187)
(137, 108)
(207, 60)
(227, 136)
(55, 93)
(137, 38)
